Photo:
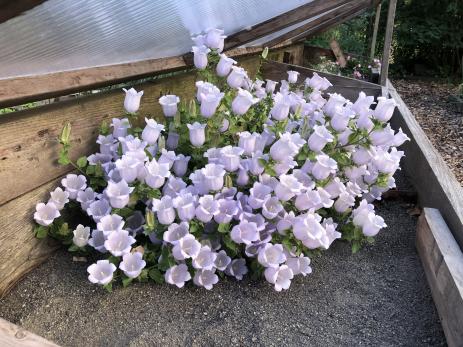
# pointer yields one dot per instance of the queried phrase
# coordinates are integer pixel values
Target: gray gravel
(378, 297)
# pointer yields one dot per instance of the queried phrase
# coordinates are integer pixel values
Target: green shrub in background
(428, 37)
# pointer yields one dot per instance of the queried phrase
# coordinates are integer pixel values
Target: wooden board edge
(12, 335)
(442, 260)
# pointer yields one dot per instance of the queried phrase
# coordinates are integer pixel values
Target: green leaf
(126, 281)
(82, 162)
(224, 228)
(104, 128)
(65, 134)
(265, 53)
(90, 170)
(74, 248)
(356, 246)
(63, 158)
(109, 287)
(156, 275)
(114, 260)
(40, 232)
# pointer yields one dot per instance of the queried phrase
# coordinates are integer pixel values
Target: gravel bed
(429, 102)
(377, 297)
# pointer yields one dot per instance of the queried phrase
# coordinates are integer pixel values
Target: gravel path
(378, 297)
(429, 103)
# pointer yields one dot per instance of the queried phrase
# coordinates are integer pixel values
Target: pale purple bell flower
(175, 232)
(199, 182)
(287, 146)
(167, 157)
(200, 56)
(185, 205)
(180, 166)
(119, 243)
(186, 247)
(282, 167)
(279, 276)
(243, 101)
(281, 106)
(118, 193)
(230, 158)
(169, 105)
(151, 131)
(287, 187)
(197, 134)
(45, 214)
(236, 77)
(344, 202)
(247, 142)
(242, 178)
(135, 222)
(97, 241)
(205, 88)
(110, 223)
(319, 138)
(101, 272)
(292, 76)
(271, 255)
(286, 222)
(399, 138)
(227, 209)
(373, 225)
(86, 197)
(341, 118)
(299, 265)
(59, 198)
(245, 232)
(205, 259)
(207, 208)
(177, 275)
(164, 209)
(156, 173)
(270, 86)
(323, 167)
(284, 87)
(199, 40)
(334, 102)
(132, 264)
(222, 260)
(224, 66)
(98, 209)
(132, 100)
(307, 228)
(213, 155)
(213, 176)
(205, 278)
(81, 235)
(271, 207)
(215, 38)
(317, 82)
(384, 109)
(128, 167)
(225, 125)
(363, 103)
(73, 184)
(237, 268)
(120, 127)
(107, 144)
(209, 104)
(258, 194)
(172, 141)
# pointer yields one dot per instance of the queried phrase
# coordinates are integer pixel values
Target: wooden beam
(310, 25)
(435, 183)
(312, 9)
(13, 336)
(10, 9)
(388, 41)
(16, 91)
(443, 265)
(354, 12)
(375, 32)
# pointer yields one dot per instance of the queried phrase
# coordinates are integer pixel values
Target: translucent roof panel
(61, 35)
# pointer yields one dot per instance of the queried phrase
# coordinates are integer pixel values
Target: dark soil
(431, 104)
(377, 297)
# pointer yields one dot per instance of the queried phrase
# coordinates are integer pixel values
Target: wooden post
(388, 41)
(375, 32)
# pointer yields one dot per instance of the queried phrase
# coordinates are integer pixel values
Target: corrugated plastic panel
(61, 35)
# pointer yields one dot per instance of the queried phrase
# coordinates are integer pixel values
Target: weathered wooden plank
(435, 183)
(28, 145)
(388, 41)
(13, 336)
(348, 87)
(375, 32)
(14, 91)
(20, 251)
(443, 264)
(337, 13)
(282, 21)
(338, 53)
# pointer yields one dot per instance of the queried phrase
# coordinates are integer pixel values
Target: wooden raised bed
(29, 151)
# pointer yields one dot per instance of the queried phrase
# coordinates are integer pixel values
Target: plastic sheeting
(61, 35)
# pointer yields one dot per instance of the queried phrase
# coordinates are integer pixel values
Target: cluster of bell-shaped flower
(275, 195)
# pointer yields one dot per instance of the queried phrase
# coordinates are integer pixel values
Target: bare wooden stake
(375, 32)
(388, 41)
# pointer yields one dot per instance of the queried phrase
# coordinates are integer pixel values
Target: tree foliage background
(428, 36)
